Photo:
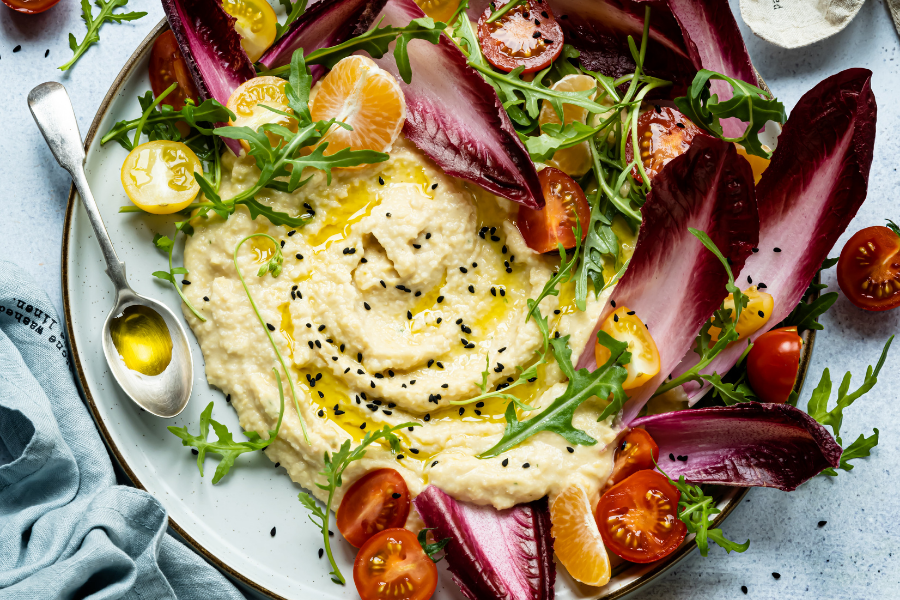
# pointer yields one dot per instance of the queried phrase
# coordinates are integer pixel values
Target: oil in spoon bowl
(142, 340)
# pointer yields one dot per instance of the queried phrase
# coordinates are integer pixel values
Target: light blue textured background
(851, 557)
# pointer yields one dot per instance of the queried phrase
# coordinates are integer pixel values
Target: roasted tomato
(377, 501)
(663, 134)
(625, 326)
(167, 66)
(543, 229)
(773, 363)
(393, 566)
(526, 36)
(869, 268)
(638, 518)
(30, 7)
(637, 451)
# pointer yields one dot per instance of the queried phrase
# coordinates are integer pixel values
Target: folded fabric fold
(66, 529)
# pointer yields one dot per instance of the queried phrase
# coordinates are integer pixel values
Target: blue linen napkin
(66, 529)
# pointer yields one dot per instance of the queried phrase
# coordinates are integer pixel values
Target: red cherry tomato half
(393, 566)
(637, 451)
(544, 228)
(526, 36)
(167, 66)
(377, 501)
(664, 133)
(869, 269)
(773, 363)
(30, 7)
(638, 518)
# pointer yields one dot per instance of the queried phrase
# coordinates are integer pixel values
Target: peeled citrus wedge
(578, 544)
(574, 161)
(248, 100)
(365, 97)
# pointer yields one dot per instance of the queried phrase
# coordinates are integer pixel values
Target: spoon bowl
(164, 394)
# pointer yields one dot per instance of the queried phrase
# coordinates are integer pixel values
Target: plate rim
(733, 496)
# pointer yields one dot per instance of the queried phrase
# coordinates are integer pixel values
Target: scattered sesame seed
(761, 313)
(380, 180)
(761, 286)
(359, 357)
(282, 243)
(682, 458)
(544, 14)
(321, 552)
(360, 372)
(744, 589)
(363, 426)
(309, 325)
(299, 257)
(387, 412)
(615, 318)
(372, 383)
(434, 186)
(557, 311)
(505, 462)
(493, 291)
(390, 373)
(463, 270)
(501, 350)
(570, 449)
(504, 250)
(347, 370)
(427, 417)
(477, 412)
(396, 495)
(47, 53)
(439, 365)
(185, 282)
(278, 464)
(525, 465)
(461, 411)
(494, 238)
(414, 450)
(671, 456)
(417, 246)
(434, 463)
(679, 125)
(318, 344)
(17, 48)
(776, 249)
(400, 457)
(657, 108)
(310, 345)
(228, 398)
(822, 523)
(776, 575)
(548, 41)
(321, 395)
(427, 236)
(537, 22)
(270, 326)
(439, 319)
(194, 451)
(749, 279)
(321, 328)
(471, 289)
(612, 303)
(321, 413)
(755, 250)
(409, 315)
(440, 299)
(292, 232)
(388, 215)
(206, 298)
(479, 404)
(363, 260)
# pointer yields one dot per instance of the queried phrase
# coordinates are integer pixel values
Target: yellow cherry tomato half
(255, 23)
(247, 102)
(753, 316)
(624, 325)
(159, 176)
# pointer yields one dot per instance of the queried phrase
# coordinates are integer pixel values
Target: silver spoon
(165, 394)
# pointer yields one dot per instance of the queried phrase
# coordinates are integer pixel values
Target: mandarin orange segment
(574, 161)
(577, 543)
(369, 99)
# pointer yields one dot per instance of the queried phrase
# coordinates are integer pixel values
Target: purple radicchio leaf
(816, 182)
(324, 24)
(455, 117)
(211, 48)
(673, 282)
(493, 554)
(748, 444)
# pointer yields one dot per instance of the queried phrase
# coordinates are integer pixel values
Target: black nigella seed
(680, 125)
(360, 372)
(309, 325)
(414, 450)
(505, 462)
(321, 552)
(347, 370)
(282, 243)
(744, 589)
(494, 238)
(400, 457)
(761, 313)
(363, 426)
(749, 279)
(321, 395)
(630, 312)
(544, 14)
(823, 523)
(321, 413)
(372, 407)
(318, 344)
(391, 405)
(185, 282)
(206, 298)
(563, 16)
(413, 381)
(342, 347)
(434, 186)
(439, 365)
(445, 386)
(615, 318)
(526, 14)
(321, 328)
(338, 413)
(379, 376)
(387, 412)
(776, 575)
(384, 285)
(395, 495)
(477, 412)
(228, 398)
(409, 315)
(270, 326)
(292, 232)
(430, 361)
(776, 249)
(546, 41)
(194, 451)
(471, 289)
(417, 246)
(671, 456)
(493, 291)
(536, 22)
(434, 463)
(570, 449)
(466, 329)
(557, 311)
(428, 235)
(47, 53)
(461, 411)
(388, 215)
(761, 286)
(299, 257)
(682, 458)
(372, 383)
(525, 465)
(493, 230)
(501, 350)
(439, 319)
(363, 260)
(440, 299)
(463, 270)
(657, 108)
(272, 533)
(427, 418)
(390, 373)
(17, 48)
(380, 180)
(479, 404)
(311, 346)
(359, 357)
(278, 464)
(755, 250)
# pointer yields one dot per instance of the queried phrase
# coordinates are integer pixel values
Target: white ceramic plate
(229, 523)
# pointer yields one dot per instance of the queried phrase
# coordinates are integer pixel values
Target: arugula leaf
(818, 402)
(556, 137)
(563, 275)
(606, 381)
(335, 465)
(94, 23)
(859, 449)
(225, 446)
(273, 266)
(749, 103)
(294, 11)
(806, 314)
(730, 393)
(431, 549)
(168, 246)
(696, 511)
(160, 122)
(376, 42)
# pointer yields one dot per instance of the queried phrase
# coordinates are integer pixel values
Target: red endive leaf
(324, 24)
(455, 117)
(493, 554)
(751, 444)
(211, 48)
(673, 282)
(817, 180)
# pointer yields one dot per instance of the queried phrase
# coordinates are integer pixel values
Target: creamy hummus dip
(404, 286)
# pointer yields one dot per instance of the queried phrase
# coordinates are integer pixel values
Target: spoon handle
(52, 111)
